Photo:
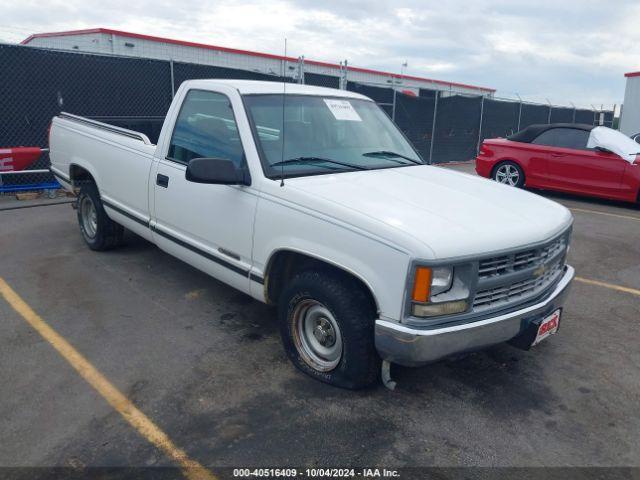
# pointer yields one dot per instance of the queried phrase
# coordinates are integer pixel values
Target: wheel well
(80, 176)
(285, 264)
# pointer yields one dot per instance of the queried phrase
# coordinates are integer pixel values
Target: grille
(551, 256)
(494, 266)
(517, 291)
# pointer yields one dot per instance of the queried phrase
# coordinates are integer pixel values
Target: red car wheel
(509, 173)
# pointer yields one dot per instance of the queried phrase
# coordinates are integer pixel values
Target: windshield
(325, 135)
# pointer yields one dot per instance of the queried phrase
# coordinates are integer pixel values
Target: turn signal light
(422, 285)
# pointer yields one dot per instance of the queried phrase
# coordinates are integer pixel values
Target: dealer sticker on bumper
(549, 326)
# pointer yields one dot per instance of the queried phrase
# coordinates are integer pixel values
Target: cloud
(573, 50)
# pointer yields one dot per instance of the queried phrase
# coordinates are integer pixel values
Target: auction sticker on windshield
(549, 326)
(342, 110)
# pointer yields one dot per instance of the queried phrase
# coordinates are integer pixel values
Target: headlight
(440, 290)
(441, 281)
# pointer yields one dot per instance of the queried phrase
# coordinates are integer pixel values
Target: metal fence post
(346, 75)
(480, 128)
(550, 108)
(343, 80)
(301, 69)
(613, 115)
(433, 127)
(519, 112)
(173, 84)
(395, 94)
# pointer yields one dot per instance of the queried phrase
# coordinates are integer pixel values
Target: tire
(509, 173)
(314, 297)
(98, 230)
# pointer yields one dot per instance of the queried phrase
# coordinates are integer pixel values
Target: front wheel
(509, 173)
(98, 230)
(327, 328)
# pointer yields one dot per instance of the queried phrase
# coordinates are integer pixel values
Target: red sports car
(580, 159)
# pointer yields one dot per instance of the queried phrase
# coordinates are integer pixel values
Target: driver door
(571, 166)
(599, 172)
(208, 226)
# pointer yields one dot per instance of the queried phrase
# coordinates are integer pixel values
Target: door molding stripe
(220, 261)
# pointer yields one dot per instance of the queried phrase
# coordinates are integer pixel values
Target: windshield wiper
(316, 160)
(387, 153)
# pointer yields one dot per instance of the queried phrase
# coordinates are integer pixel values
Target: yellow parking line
(138, 420)
(618, 215)
(632, 291)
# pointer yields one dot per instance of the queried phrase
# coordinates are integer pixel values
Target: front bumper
(409, 346)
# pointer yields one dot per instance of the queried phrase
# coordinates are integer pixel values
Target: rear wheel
(98, 230)
(509, 173)
(327, 328)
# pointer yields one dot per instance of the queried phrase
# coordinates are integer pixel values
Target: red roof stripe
(632, 74)
(244, 52)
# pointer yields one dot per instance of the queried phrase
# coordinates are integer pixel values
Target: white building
(630, 113)
(114, 42)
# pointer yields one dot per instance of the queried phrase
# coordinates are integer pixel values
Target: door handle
(558, 154)
(162, 180)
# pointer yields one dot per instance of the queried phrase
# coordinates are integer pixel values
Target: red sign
(549, 325)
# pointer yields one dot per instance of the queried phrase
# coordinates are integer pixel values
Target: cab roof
(532, 132)
(248, 87)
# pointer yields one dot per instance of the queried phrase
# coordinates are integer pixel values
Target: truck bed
(118, 159)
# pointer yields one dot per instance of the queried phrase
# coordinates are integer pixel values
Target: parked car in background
(574, 158)
(325, 210)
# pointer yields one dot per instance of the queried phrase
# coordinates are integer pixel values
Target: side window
(563, 138)
(205, 128)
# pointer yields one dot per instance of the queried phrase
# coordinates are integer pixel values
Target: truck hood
(439, 212)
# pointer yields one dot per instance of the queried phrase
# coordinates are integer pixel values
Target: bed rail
(105, 126)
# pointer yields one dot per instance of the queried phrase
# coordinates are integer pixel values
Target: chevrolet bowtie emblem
(539, 271)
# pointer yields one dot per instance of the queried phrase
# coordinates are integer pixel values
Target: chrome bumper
(409, 346)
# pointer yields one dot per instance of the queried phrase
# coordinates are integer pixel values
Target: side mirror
(220, 171)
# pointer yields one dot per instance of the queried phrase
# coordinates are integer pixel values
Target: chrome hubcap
(324, 332)
(507, 174)
(89, 216)
(317, 336)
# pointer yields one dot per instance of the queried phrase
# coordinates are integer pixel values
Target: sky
(562, 51)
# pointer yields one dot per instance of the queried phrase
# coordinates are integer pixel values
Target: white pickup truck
(312, 200)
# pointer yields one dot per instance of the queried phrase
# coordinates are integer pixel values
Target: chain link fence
(449, 127)
(136, 93)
